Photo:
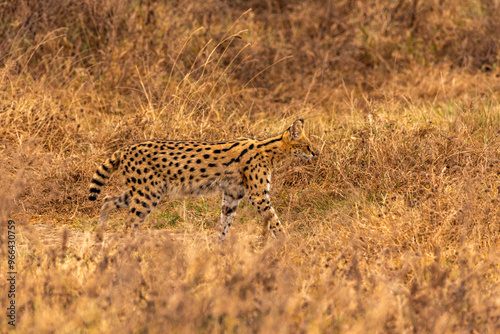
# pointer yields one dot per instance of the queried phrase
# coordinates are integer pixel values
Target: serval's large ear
(296, 129)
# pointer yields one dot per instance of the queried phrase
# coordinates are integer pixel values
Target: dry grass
(395, 228)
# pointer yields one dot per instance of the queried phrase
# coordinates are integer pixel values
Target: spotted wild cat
(157, 168)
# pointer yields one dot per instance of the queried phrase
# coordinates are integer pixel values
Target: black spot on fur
(101, 175)
(99, 183)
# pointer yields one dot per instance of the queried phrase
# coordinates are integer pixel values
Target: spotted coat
(155, 169)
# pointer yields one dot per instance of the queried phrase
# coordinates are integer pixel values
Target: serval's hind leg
(111, 203)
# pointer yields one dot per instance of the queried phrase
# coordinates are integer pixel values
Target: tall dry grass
(394, 228)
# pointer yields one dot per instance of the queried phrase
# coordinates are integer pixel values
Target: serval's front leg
(230, 200)
(262, 202)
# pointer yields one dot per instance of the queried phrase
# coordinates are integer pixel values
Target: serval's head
(296, 142)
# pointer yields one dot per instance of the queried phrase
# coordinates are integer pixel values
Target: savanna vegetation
(394, 228)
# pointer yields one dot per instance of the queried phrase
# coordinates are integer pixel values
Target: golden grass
(394, 228)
